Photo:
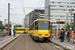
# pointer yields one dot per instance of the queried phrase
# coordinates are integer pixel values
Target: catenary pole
(49, 12)
(8, 17)
(74, 21)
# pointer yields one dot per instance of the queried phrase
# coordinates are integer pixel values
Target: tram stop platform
(65, 44)
(6, 40)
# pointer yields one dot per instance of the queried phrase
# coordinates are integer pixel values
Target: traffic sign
(60, 22)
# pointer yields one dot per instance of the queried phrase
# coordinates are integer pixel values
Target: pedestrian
(74, 32)
(4, 31)
(10, 32)
(71, 34)
(14, 31)
(73, 37)
(62, 34)
(58, 34)
(68, 35)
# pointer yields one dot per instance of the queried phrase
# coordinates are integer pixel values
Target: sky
(17, 7)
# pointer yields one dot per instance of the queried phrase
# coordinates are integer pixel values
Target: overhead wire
(22, 5)
(35, 7)
(39, 3)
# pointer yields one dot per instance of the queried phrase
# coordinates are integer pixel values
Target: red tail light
(46, 34)
(40, 34)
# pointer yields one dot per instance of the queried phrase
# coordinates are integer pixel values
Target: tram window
(18, 29)
(23, 29)
(35, 25)
(49, 26)
(29, 29)
(43, 25)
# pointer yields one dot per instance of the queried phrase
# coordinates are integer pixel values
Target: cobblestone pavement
(25, 42)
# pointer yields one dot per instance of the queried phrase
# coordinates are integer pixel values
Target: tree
(72, 25)
(7, 25)
(67, 26)
(1, 26)
(18, 25)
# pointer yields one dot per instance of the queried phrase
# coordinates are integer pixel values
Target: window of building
(53, 5)
(73, 6)
(70, 6)
(36, 15)
(59, 2)
(52, 19)
(64, 2)
(53, 22)
(52, 2)
(73, 3)
(67, 2)
(60, 6)
(64, 9)
(51, 15)
(67, 6)
(61, 16)
(52, 9)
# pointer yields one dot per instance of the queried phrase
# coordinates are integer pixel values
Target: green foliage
(1, 26)
(18, 26)
(67, 26)
(14, 26)
(70, 25)
(7, 25)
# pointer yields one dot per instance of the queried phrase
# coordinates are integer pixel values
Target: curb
(60, 45)
(8, 42)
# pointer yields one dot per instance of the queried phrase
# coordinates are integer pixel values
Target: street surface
(25, 42)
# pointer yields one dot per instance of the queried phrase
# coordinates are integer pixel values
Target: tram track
(47, 46)
(25, 42)
(56, 46)
(13, 43)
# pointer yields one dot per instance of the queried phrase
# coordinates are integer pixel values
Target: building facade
(27, 21)
(59, 11)
(34, 15)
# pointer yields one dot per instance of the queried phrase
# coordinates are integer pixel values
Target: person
(10, 32)
(73, 37)
(58, 34)
(74, 32)
(68, 35)
(71, 34)
(14, 32)
(62, 34)
(4, 31)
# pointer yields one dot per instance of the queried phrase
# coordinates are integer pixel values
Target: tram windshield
(43, 25)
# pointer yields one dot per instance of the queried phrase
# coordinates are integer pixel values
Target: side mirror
(29, 29)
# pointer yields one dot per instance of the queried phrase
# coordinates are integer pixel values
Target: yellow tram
(21, 30)
(28, 30)
(40, 30)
